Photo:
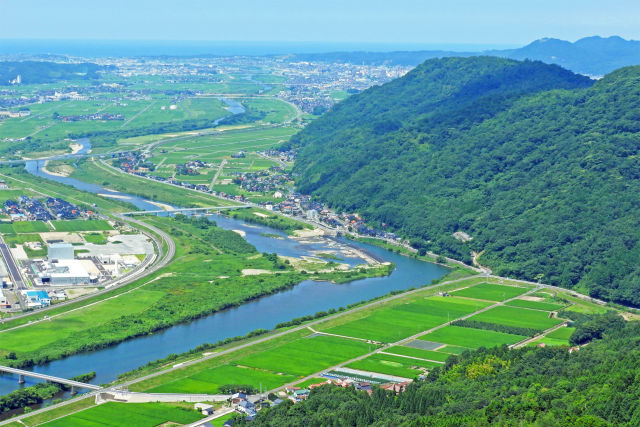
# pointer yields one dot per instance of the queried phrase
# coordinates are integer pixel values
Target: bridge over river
(21, 373)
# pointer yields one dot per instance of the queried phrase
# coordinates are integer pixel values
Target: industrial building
(36, 299)
(60, 272)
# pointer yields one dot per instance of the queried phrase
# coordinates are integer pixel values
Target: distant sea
(130, 48)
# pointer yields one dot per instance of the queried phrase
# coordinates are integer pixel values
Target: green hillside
(540, 166)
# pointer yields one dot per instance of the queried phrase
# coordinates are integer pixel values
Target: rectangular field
(307, 355)
(128, 414)
(538, 305)
(82, 225)
(491, 292)
(471, 338)
(392, 365)
(436, 356)
(401, 321)
(208, 381)
(520, 317)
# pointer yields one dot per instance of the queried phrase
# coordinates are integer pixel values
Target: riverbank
(204, 251)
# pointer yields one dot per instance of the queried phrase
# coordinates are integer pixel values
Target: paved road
(14, 270)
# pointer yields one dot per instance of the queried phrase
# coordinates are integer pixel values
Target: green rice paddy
(471, 338)
(491, 292)
(520, 317)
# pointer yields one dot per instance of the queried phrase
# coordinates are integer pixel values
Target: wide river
(306, 298)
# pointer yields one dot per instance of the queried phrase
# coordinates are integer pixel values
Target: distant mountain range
(594, 56)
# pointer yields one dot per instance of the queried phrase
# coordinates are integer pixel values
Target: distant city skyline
(490, 23)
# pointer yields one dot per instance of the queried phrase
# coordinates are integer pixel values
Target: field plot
(519, 317)
(210, 380)
(392, 365)
(215, 147)
(538, 305)
(128, 414)
(400, 321)
(272, 367)
(436, 356)
(558, 337)
(24, 227)
(307, 355)
(491, 292)
(82, 225)
(471, 338)
(452, 349)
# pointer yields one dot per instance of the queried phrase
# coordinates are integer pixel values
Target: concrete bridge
(203, 209)
(22, 373)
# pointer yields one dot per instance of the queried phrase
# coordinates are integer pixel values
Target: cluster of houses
(191, 167)
(6, 114)
(28, 209)
(262, 181)
(94, 116)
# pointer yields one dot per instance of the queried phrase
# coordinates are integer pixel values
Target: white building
(61, 272)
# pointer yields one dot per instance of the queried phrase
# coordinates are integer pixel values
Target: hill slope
(546, 181)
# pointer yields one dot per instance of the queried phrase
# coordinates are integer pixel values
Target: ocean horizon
(129, 48)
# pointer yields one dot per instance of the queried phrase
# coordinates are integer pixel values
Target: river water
(306, 298)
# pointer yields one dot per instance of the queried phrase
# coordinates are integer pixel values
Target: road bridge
(203, 209)
(21, 373)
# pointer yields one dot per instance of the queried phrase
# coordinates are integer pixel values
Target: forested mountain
(45, 72)
(591, 55)
(540, 166)
(595, 386)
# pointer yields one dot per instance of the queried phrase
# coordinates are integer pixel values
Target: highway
(14, 271)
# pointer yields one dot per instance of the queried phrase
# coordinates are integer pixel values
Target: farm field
(471, 338)
(212, 148)
(436, 356)
(491, 292)
(519, 317)
(82, 225)
(538, 305)
(135, 415)
(210, 380)
(24, 227)
(392, 365)
(273, 366)
(400, 321)
(558, 337)
(307, 355)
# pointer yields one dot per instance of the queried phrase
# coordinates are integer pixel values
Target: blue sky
(482, 22)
